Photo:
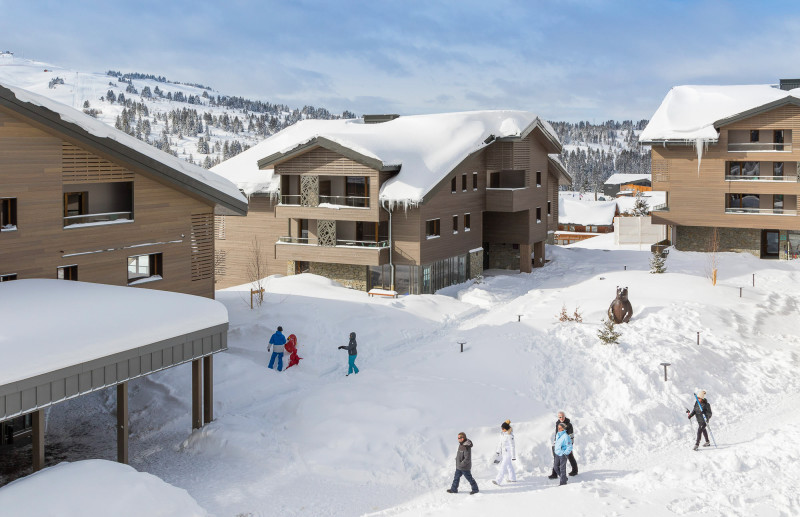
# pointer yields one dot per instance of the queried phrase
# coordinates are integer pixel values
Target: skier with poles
(702, 408)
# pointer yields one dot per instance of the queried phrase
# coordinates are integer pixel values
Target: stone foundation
(475, 264)
(503, 256)
(698, 238)
(349, 275)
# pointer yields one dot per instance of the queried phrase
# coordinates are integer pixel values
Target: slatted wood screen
(320, 158)
(219, 226)
(80, 166)
(660, 168)
(202, 246)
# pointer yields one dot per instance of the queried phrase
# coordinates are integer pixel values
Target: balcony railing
(660, 208)
(761, 211)
(758, 147)
(738, 177)
(348, 201)
(106, 217)
(339, 242)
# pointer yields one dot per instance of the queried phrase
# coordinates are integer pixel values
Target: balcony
(506, 199)
(760, 211)
(352, 208)
(366, 253)
(760, 147)
(95, 219)
(329, 201)
(95, 204)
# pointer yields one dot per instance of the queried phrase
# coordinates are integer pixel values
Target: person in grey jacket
(351, 354)
(463, 465)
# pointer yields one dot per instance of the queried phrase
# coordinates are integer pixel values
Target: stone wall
(503, 256)
(348, 275)
(475, 264)
(698, 238)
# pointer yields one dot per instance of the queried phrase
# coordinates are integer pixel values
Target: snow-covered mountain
(192, 121)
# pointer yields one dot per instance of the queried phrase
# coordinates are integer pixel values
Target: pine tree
(658, 264)
(640, 207)
(608, 334)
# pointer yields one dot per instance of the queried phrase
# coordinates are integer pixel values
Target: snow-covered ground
(310, 441)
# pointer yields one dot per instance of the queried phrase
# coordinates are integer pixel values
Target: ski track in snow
(310, 441)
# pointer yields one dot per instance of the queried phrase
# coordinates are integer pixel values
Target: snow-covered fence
(638, 230)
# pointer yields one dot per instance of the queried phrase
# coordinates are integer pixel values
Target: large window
(744, 201)
(777, 137)
(8, 214)
(141, 267)
(777, 169)
(432, 228)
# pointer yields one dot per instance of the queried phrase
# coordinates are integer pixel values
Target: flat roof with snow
(60, 339)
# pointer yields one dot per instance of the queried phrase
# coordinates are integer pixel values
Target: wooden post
(208, 388)
(197, 395)
(122, 422)
(38, 439)
(665, 370)
(698, 339)
(462, 344)
(255, 291)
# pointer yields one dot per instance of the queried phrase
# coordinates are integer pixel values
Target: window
(777, 203)
(754, 135)
(75, 203)
(432, 227)
(357, 188)
(750, 168)
(455, 224)
(67, 272)
(8, 278)
(549, 204)
(538, 178)
(474, 181)
(777, 137)
(743, 201)
(453, 185)
(734, 169)
(777, 169)
(8, 214)
(538, 214)
(467, 225)
(464, 182)
(144, 266)
(593, 229)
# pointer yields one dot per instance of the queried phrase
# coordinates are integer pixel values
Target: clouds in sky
(566, 60)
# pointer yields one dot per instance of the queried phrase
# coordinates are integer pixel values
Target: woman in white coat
(506, 453)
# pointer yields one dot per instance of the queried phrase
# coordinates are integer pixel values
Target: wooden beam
(122, 422)
(197, 395)
(208, 388)
(38, 439)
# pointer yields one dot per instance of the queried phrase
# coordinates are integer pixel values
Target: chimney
(377, 119)
(790, 84)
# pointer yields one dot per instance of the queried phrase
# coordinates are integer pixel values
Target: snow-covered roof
(652, 198)
(620, 178)
(689, 113)
(209, 185)
(571, 211)
(425, 148)
(243, 170)
(102, 320)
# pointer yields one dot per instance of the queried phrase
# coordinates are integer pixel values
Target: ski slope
(310, 441)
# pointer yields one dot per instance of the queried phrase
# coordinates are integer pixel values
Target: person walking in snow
(276, 343)
(702, 407)
(291, 347)
(562, 449)
(506, 453)
(351, 354)
(562, 419)
(463, 465)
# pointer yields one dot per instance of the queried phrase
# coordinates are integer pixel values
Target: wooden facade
(468, 212)
(41, 164)
(700, 192)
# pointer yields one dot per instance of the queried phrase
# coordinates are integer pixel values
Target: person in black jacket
(702, 407)
(562, 419)
(463, 465)
(351, 354)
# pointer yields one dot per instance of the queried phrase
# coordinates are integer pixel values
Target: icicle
(699, 146)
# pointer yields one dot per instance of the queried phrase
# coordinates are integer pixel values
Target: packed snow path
(310, 441)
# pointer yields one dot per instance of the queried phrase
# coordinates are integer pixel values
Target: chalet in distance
(726, 158)
(402, 203)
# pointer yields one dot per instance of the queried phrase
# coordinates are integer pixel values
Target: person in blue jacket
(562, 448)
(276, 343)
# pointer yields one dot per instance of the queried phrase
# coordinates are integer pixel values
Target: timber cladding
(697, 194)
(323, 162)
(33, 171)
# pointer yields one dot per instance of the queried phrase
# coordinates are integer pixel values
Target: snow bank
(96, 488)
(586, 212)
(51, 324)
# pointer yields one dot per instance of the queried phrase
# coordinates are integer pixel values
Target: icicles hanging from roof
(699, 144)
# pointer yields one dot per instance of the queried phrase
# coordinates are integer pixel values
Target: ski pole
(705, 420)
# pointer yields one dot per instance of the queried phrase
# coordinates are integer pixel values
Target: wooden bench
(382, 292)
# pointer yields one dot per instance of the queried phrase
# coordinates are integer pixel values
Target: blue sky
(565, 60)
